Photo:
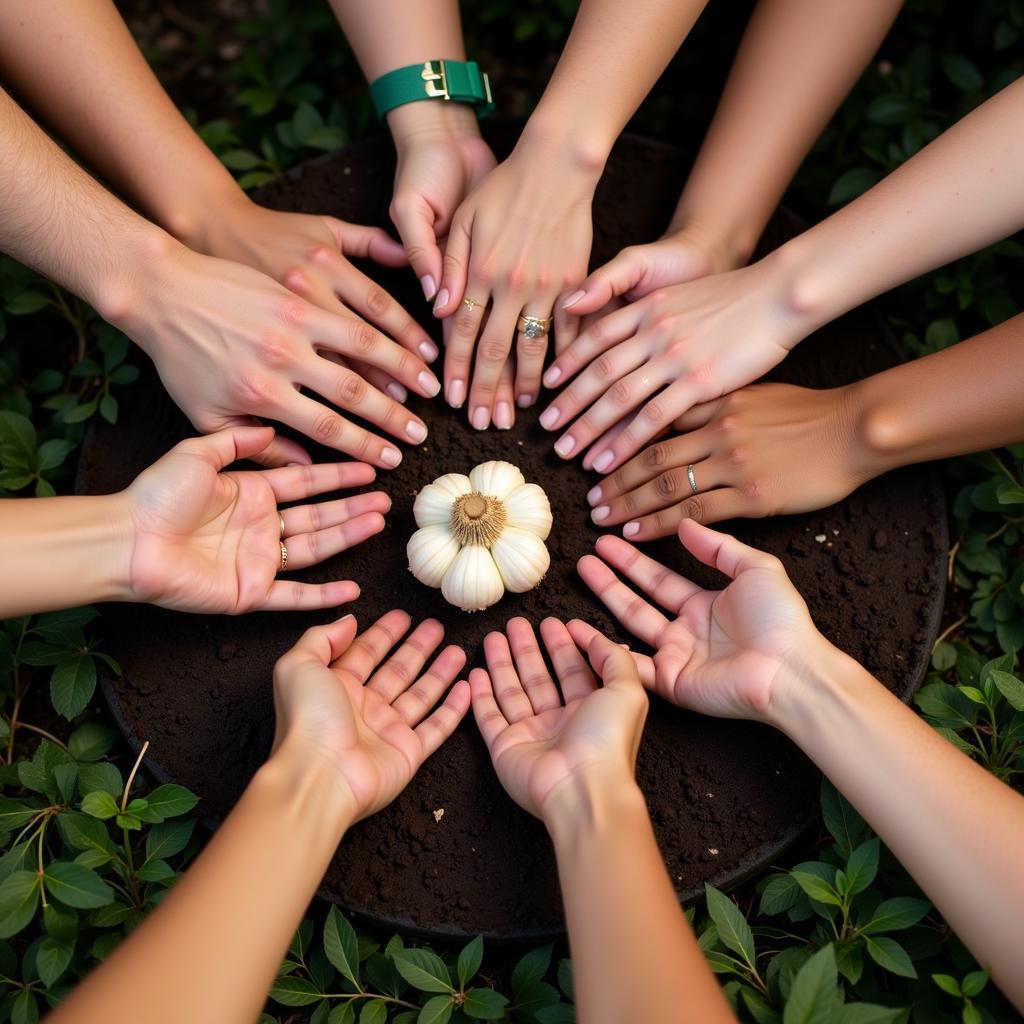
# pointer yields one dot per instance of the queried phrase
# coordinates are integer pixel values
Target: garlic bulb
(480, 535)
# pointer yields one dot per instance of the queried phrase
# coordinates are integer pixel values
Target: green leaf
(328, 138)
(76, 886)
(14, 814)
(868, 1013)
(52, 959)
(1010, 687)
(24, 1009)
(948, 984)
(100, 804)
(294, 992)
(889, 108)
(91, 741)
(470, 959)
(424, 970)
(844, 824)
(531, 967)
(851, 184)
(862, 866)
(305, 121)
(817, 888)
(781, 893)
(108, 408)
(943, 656)
(52, 454)
(560, 1014)
(813, 998)
(435, 1011)
(895, 914)
(974, 983)
(343, 1013)
(758, 1007)
(27, 303)
(156, 871)
(169, 801)
(971, 1014)
(341, 945)
(732, 925)
(535, 996)
(103, 776)
(240, 159)
(484, 1004)
(374, 1012)
(168, 838)
(963, 73)
(565, 982)
(888, 953)
(72, 685)
(19, 897)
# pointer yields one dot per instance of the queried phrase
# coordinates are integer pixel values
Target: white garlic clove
(431, 551)
(528, 509)
(433, 504)
(521, 558)
(496, 478)
(473, 582)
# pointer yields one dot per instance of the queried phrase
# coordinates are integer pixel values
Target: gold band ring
(534, 326)
(471, 304)
(284, 558)
(280, 519)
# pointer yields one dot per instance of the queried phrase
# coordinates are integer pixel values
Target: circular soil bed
(726, 797)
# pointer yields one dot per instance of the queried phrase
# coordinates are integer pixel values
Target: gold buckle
(430, 76)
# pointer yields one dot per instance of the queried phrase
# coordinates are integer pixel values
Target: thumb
(363, 241)
(617, 277)
(613, 664)
(415, 220)
(456, 267)
(223, 447)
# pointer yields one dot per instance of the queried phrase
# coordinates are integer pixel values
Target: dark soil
(725, 796)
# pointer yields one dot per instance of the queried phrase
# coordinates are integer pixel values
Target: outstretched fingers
(723, 551)
(489, 718)
(571, 667)
(293, 483)
(292, 596)
(583, 633)
(433, 731)
(640, 618)
(657, 581)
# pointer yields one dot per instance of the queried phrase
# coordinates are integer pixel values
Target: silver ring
(692, 479)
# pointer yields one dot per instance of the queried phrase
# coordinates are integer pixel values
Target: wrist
(881, 437)
(432, 121)
(546, 144)
(592, 803)
(728, 245)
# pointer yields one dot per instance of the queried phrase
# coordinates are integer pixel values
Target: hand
(207, 541)
(368, 722)
(540, 745)
(650, 362)
(307, 254)
(724, 651)
(231, 345)
(765, 450)
(520, 240)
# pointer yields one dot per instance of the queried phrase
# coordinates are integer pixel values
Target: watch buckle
(431, 78)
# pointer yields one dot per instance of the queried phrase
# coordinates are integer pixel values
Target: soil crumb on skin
(199, 688)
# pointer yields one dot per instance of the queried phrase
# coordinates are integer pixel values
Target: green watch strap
(454, 80)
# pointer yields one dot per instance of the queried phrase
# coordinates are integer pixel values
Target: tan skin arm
(348, 741)
(751, 651)
(566, 753)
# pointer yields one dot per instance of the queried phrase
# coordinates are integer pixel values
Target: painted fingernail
(600, 514)
(604, 460)
(428, 350)
(573, 299)
(552, 377)
(594, 495)
(549, 417)
(456, 393)
(503, 416)
(429, 383)
(525, 401)
(397, 392)
(416, 431)
(479, 418)
(442, 299)
(565, 445)
(630, 529)
(391, 457)
(429, 286)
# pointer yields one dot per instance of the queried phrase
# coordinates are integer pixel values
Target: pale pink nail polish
(630, 529)
(428, 350)
(604, 460)
(573, 299)
(565, 445)
(503, 416)
(397, 392)
(456, 393)
(416, 431)
(549, 418)
(594, 495)
(442, 299)
(552, 377)
(600, 514)
(525, 401)
(429, 383)
(429, 286)
(391, 457)
(480, 418)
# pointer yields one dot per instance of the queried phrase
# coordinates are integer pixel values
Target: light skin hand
(209, 541)
(650, 362)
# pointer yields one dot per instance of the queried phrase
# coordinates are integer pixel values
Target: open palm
(723, 650)
(209, 541)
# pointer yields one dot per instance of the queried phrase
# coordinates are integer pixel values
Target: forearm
(79, 68)
(62, 552)
(959, 194)
(246, 893)
(620, 905)
(932, 806)
(614, 55)
(797, 61)
(966, 398)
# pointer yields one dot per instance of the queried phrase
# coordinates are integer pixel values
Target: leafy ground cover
(89, 845)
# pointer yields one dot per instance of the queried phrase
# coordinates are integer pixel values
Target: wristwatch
(453, 81)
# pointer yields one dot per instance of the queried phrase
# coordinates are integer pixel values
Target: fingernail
(573, 299)
(549, 417)
(416, 431)
(565, 445)
(600, 514)
(442, 299)
(456, 393)
(552, 377)
(397, 392)
(503, 416)
(344, 618)
(391, 457)
(630, 529)
(428, 350)
(594, 495)
(429, 286)
(429, 383)
(604, 460)
(525, 401)
(479, 418)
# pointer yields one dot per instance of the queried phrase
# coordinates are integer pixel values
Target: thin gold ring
(280, 519)
(284, 558)
(471, 304)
